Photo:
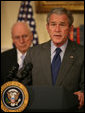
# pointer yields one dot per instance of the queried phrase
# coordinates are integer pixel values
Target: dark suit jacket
(71, 74)
(8, 60)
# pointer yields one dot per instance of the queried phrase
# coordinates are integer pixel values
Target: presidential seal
(14, 97)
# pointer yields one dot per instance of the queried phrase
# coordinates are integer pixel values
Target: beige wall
(9, 13)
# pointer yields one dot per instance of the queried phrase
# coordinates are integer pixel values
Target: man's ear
(31, 37)
(71, 33)
(47, 26)
(13, 45)
(71, 28)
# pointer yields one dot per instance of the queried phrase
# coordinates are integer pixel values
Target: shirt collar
(63, 47)
(19, 54)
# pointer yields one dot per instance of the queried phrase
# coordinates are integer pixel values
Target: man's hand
(80, 98)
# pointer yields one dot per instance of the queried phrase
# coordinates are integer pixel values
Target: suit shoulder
(75, 45)
(8, 52)
(38, 49)
(41, 46)
(78, 46)
(79, 50)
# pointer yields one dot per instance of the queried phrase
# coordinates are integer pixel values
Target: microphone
(12, 72)
(26, 71)
(25, 75)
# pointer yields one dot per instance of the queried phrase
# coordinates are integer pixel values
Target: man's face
(22, 37)
(58, 28)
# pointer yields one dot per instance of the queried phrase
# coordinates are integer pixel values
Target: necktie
(56, 65)
(21, 61)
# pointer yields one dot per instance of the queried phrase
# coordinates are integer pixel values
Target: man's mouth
(22, 46)
(57, 35)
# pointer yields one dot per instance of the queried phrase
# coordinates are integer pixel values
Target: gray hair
(61, 11)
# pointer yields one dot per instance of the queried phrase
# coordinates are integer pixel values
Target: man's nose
(57, 28)
(21, 39)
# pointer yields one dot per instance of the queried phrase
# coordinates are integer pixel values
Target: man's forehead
(58, 18)
(61, 16)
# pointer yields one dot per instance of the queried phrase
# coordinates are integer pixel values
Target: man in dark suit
(22, 38)
(71, 72)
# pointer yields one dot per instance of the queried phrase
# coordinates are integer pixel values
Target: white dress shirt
(53, 50)
(20, 58)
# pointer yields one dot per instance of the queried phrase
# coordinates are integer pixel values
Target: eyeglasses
(23, 36)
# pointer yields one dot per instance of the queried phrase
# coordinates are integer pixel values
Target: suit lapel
(47, 59)
(68, 60)
(14, 56)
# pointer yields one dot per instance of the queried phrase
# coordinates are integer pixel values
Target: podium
(49, 98)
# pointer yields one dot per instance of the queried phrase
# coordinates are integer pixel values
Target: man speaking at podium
(59, 62)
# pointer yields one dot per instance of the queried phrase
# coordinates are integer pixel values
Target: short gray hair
(61, 11)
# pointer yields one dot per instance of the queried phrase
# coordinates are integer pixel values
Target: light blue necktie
(22, 60)
(56, 65)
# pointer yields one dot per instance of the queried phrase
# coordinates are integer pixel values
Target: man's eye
(53, 24)
(17, 37)
(24, 36)
(62, 24)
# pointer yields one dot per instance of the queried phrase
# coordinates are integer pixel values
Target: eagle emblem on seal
(13, 97)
